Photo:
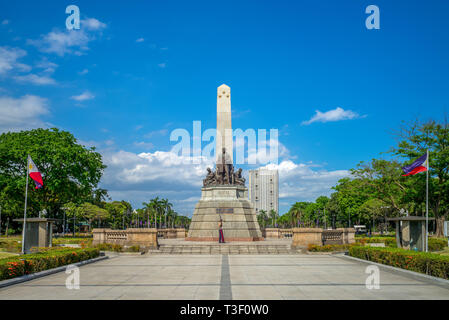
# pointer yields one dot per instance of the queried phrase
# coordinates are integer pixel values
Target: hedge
(389, 241)
(80, 241)
(117, 247)
(429, 263)
(435, 244)
(329, 247)
(31, 263)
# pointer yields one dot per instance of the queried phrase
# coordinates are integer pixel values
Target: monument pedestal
(230, 202)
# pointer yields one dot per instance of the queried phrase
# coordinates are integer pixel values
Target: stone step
(208, 249)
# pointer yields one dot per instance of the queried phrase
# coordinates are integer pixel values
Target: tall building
(264, 189)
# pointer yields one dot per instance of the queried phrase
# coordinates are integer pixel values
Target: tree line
(377, 189)
(71, 175)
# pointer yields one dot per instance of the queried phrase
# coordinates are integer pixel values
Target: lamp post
(63, 221)
(385, 217)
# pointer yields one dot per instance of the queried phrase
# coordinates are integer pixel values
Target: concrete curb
(28, 277)
(412, 274)
(116, 254)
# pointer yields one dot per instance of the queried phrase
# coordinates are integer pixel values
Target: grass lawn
(6, 255)
(444, 252)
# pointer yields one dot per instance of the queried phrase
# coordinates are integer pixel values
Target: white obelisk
(224, 125)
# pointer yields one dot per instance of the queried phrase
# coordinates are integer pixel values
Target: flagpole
(427, 203)
(25, 210)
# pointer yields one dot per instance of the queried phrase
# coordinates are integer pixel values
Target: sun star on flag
(35, 173)
(420, 165)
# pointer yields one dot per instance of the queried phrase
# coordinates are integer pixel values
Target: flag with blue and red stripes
(420, 165)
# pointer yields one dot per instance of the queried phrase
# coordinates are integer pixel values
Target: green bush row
(423, 262)
(116, 247)
(10, 245)
(81, 241)
(329, 248)
(389, 241)
(435, 244)
(31, 263)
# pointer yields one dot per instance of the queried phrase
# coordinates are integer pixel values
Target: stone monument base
(229, 202)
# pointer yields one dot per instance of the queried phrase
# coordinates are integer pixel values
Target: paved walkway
(268, 246)
(227, 277)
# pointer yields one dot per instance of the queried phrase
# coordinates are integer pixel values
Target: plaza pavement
(297, 276)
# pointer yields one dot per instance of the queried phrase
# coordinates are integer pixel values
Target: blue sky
(137, 70)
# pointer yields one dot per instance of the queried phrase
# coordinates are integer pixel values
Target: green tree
(414, 139)
(262, 218)
(117, 213)
(273, 215)
(85, 212)
(70, 171)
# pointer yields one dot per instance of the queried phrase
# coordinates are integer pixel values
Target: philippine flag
(420, 165)
(35, 174)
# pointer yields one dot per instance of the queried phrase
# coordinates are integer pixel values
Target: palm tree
(166, 206)
(273, 215)
(296, 212)
(262, 217)
(156, 205)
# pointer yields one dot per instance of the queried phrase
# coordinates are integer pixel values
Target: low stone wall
(172, 233)
(348, 235)
(271, 233)
(302, 237)
(144, 237)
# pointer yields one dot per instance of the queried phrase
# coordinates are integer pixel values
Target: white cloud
(22, 113)
(92, 24)
(47, 65)
(162, 65)
(8, 60)
(69, 41)
(337, 114)
(86, 95)
(300, 182)
(140, 40)
(151, 134)
(138, 177)
(85, 71)
(142, 144)
(35, 79)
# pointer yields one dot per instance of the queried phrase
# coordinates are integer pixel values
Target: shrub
(10, 245)
(72, 240)
(31, 263)
(133, 249)
(328, 247)
(389, 241)
(109, 247)
(437, 244)
(423, 262)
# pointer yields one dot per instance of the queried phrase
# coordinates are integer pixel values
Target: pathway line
(225, 283)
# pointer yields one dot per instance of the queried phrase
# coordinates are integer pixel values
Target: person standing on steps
(220, 232)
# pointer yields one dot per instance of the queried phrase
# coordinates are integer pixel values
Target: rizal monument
(224, 195)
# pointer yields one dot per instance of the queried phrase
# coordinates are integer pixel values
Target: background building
(264, 189)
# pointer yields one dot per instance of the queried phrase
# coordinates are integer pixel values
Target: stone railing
(171, 233)
(277, 233)
(144, 237)
(286, 233)
(332, 236)
(302, 237)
